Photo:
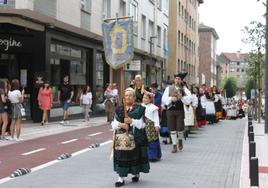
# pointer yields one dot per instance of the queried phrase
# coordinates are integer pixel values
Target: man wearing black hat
(173, 99)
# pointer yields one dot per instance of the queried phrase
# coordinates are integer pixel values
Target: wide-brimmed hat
(181, 75)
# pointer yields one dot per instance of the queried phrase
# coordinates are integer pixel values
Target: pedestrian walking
(16, 98)
(173, 99)
(190, 105)
(3, 108)
(86, 102)
(45, 100)
(109, 102)
(65, 95)
(130, 143)
(152, 127)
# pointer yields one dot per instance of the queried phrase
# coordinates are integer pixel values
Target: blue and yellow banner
(118, 41)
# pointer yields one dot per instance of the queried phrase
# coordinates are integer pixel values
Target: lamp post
(266, 73)
(151, 53)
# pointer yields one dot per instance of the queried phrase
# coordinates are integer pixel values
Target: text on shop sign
(10, 43)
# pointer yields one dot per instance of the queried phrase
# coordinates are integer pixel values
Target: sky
(228, 18)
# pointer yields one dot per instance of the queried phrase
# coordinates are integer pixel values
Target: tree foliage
(230, 87)
(249, 85)
(255, 38)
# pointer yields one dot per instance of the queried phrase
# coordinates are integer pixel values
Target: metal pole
(266, 73)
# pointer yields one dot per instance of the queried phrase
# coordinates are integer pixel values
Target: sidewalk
(261, 140)
(35, 130)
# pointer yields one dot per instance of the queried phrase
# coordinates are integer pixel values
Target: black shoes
(119, 184)
(135, 179)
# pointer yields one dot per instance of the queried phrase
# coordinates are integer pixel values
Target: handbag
(22, 111)
(124, 141)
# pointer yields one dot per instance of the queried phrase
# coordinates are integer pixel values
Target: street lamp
(151, 53)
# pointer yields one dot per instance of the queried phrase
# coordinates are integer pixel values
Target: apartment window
(185, 15)
(151, 30)
(143, 31)
(165, 35)
(106, 8)
(242, 70)
(122, 9)
(190, 21)
(86, 5)
(159, 4)
(182, 11)
(134, 13)
(179, 37)
(179, 65)
(152, 1)
(182, 38)
(165, 6)
(185, 42)
(158, 35)
(237, 70)
(238, 63)
(179, 8)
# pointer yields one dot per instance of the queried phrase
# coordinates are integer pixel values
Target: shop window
(99, 78)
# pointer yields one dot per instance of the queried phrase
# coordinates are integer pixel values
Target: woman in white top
(16, 98)
(152, 127)
(86, 101)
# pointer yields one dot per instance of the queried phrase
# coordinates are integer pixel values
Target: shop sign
(134, 66)
(7, 43)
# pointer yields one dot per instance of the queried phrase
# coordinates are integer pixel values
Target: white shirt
(14, 96)
(87, 98)
(151, 112)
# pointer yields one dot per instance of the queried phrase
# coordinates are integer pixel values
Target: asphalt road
(211, 159)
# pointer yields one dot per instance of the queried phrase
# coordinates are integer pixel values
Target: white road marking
(69, 141)
(95, 134)
(6, 179)
(34, 151)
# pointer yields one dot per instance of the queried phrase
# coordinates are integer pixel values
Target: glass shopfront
(68, 60)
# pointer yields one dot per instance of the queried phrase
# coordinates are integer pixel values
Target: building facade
(52, 38)
(237, 67)
(183, 39)
(207, 55)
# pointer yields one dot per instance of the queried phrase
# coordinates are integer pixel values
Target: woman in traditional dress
(139, 88)
(130, 117)
(190, 105)
(201, 108)
(152, 127)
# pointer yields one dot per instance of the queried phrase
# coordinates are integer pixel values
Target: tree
(249, 86)
(230, 87)
(255, 37)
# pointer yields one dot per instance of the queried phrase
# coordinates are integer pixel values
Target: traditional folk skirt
(135, 161)
(154, 149)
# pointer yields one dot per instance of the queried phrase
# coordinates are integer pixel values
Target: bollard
(252, 149)
(251, 137)
(250, 129)
(254, 173)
